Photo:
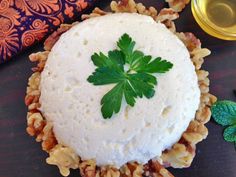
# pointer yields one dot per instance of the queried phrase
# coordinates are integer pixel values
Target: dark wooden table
(21, 156)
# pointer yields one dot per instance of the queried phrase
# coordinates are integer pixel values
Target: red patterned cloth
(24, 22)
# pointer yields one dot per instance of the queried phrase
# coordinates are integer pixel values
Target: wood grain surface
(21, 156)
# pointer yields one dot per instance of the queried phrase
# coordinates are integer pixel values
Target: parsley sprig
(136, 81)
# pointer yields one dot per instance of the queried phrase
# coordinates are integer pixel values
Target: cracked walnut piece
(64, 157)
(179, 156)
(177, 5)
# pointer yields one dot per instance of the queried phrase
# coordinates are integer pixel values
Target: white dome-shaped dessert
(136, 133)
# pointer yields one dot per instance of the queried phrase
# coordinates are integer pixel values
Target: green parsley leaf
(224, 112)
(136, 82)
(126, 45)
(101, 76)
(136, 56)
(155, 66)
(100, 60)
(130, 94)
(143, 84)
(118, 58)
(111, 102)
(230, 133)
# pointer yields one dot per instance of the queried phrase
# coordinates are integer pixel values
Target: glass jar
(216, 17)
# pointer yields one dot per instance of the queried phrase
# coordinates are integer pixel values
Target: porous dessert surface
(138, 133)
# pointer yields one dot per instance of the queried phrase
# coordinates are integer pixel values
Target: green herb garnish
(224, 113)
(136, 81)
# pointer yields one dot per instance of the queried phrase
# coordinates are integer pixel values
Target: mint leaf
(224, 112)
(136, 82)
(230, 133)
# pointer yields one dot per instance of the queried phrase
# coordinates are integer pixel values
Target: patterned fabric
(24, 22)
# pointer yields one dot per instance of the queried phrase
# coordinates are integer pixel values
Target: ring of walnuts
(179, 156)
